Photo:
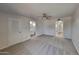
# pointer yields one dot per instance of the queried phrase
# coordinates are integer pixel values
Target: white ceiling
(36, 9)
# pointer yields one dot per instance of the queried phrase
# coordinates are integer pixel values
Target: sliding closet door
(18, 29)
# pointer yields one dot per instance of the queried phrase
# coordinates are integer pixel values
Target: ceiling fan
(44, 15)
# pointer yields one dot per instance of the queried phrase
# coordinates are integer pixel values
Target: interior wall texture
(67, 26)
(75, 30)
(48, 26)
(3, 30)
(13, 29)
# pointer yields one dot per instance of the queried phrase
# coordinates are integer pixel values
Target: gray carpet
(43, 45)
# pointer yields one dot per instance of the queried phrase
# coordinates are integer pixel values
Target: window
(32, 27)
(59, 28)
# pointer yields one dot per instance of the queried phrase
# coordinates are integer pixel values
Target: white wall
(13, 29)
(39, 27)
(75, 30)
(44, 26)
(67, 27)
(19, 30)
(49, 26)
(3, 30)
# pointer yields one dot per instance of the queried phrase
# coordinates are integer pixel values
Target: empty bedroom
(39, 28)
